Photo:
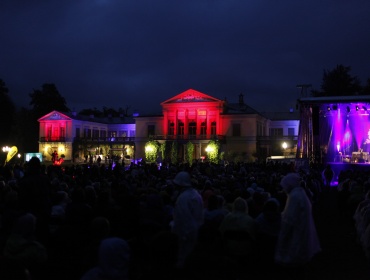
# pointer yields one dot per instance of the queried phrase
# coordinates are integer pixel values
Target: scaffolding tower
(305, 145)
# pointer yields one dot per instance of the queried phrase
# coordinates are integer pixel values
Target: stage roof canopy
(335, 99)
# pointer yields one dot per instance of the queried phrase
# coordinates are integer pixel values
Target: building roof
(190, 96)
(282, 116)
(55, 115)
(239, 108)
(104, 120)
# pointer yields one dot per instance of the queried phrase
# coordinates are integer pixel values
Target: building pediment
(54, 116)
(190, 96)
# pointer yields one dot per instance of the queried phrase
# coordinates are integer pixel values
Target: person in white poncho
(188, 216)
(298, 241)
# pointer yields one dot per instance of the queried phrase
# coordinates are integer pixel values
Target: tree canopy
(366, 88)
(105, 112)
(47, 99)
(339, 82)
(7, 113)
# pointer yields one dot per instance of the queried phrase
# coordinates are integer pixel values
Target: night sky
(139, 53)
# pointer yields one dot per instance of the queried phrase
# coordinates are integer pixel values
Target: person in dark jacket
(34, 197)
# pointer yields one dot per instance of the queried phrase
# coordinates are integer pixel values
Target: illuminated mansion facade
(243, 134)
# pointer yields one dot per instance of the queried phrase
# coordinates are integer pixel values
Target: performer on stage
(366, 143)
(54, 156)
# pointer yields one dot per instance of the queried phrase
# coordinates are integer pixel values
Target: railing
(53, 139)
(188, 137)
(264, 139)
(104, 139)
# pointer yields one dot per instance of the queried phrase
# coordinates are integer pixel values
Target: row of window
(180, 129)
(59, 132)
(236, 129)
(55, 132)
(280, 131)
(96, 133)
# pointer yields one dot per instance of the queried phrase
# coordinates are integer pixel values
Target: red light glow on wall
(192, 113)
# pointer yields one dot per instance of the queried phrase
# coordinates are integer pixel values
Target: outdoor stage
(336, 130)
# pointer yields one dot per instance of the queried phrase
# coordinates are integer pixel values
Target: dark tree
(106, 112)
(46, 100)
(339, 82)
(43, 101)
(110, 112)
(7, 112)
(366, 88)
(24, 129)
(116, 113)
(88, 112)
(124, 111)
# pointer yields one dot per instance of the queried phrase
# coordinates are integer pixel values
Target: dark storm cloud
(139, 53)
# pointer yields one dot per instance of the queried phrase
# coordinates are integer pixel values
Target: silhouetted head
(240, 205)
(34, 165)
(290, 181)
(183, 179)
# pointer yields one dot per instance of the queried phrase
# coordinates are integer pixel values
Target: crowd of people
(179, 221)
